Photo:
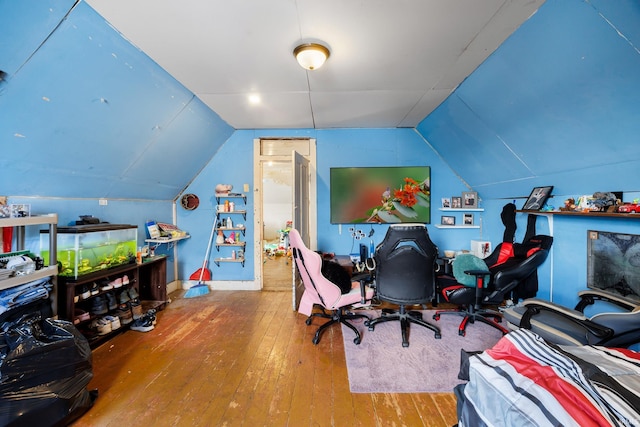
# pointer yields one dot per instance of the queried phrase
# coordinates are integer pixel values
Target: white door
(300, 215)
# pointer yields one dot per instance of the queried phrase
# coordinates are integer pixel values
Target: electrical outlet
(246, 188)
(103, 202)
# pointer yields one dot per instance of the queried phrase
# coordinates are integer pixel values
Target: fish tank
(84, 249)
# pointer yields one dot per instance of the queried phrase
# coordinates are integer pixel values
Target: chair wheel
(371, 328)
(405, 344)
(438, 336)
(308, 321)
(356, 340)
(461, 333)
(366, 322)
(436, 317)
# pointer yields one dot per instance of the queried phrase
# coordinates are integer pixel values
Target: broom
(202, 288)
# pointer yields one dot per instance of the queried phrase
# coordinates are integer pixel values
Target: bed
(525, 381)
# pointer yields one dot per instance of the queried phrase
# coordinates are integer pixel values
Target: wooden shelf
(462, 209)
(585, 214)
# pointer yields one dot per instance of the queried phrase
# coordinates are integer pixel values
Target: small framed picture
(446, 202)
(468, 219)
(456, 202)
(448, 220)
(469, 200)
(537, 198)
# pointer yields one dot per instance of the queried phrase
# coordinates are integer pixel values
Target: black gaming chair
(405, 275)
(479, 284)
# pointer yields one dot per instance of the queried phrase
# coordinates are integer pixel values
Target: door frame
(257, 199)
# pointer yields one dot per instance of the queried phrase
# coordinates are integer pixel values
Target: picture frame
(448, 220)
(446, 203)
(537, 198)
(467, 219)
(456, 202)
(469, 200)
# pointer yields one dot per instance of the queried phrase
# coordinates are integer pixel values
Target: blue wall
(86, 115)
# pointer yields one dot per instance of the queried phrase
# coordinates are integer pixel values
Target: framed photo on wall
(537, 198)
(456, 202)
(446, 202)
(469, 200)
(468, 219)
(448, 220)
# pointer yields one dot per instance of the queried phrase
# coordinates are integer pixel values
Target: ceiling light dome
(311, 56)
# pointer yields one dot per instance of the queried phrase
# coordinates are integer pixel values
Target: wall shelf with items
(459, 226)
(228, 231)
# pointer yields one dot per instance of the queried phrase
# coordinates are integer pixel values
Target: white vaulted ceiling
(391, 64)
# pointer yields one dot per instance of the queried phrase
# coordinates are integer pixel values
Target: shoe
(111, 301)
(136, 308)
(80, 316)
(115, 322)
(151, 315)
(99, 305)
(101, 325)
(141, 325)
(133, 295)
(117, 283)
(124, 313)
(95, 290)
(124, 297)
(106, 286)
(125, 280)
(85, 293)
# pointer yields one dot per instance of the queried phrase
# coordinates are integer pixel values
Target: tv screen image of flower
(392, 194)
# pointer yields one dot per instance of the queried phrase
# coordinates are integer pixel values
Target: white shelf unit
(459, 210)
(20, 223)
(219, 226)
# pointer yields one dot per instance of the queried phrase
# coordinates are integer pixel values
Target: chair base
(470, 315)
(405, 318)
(336, 316)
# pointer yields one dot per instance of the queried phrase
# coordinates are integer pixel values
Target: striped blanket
(524, 381)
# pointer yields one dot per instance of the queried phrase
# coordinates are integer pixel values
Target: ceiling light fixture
(311, 56)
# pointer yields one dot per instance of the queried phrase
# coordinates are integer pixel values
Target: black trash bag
(45, 366)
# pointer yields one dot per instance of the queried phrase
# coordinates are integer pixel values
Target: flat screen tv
(392, 194)
(613, 263)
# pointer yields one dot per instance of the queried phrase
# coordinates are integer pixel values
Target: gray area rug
(381, 365)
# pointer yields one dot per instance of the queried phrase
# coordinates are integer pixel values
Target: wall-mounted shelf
(169, 242)
(455, 226)
(462, 209)
(585, 214)
(217, 261)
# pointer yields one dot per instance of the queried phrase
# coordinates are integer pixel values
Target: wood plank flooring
(234, 358)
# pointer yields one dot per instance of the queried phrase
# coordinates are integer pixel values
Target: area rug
(381, 365)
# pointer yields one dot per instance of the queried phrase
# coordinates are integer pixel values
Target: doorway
(274, 208)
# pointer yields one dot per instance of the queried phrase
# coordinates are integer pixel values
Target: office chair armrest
(590, 296)
(536, 306)
(363, 279)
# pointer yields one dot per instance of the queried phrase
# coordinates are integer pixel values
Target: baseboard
(225, 285)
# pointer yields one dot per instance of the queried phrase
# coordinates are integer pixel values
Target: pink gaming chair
(320, 291)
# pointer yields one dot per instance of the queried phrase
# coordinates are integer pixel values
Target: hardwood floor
(233, 358)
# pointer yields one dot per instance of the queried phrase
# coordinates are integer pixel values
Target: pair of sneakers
(105, 324)
(146, 322)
